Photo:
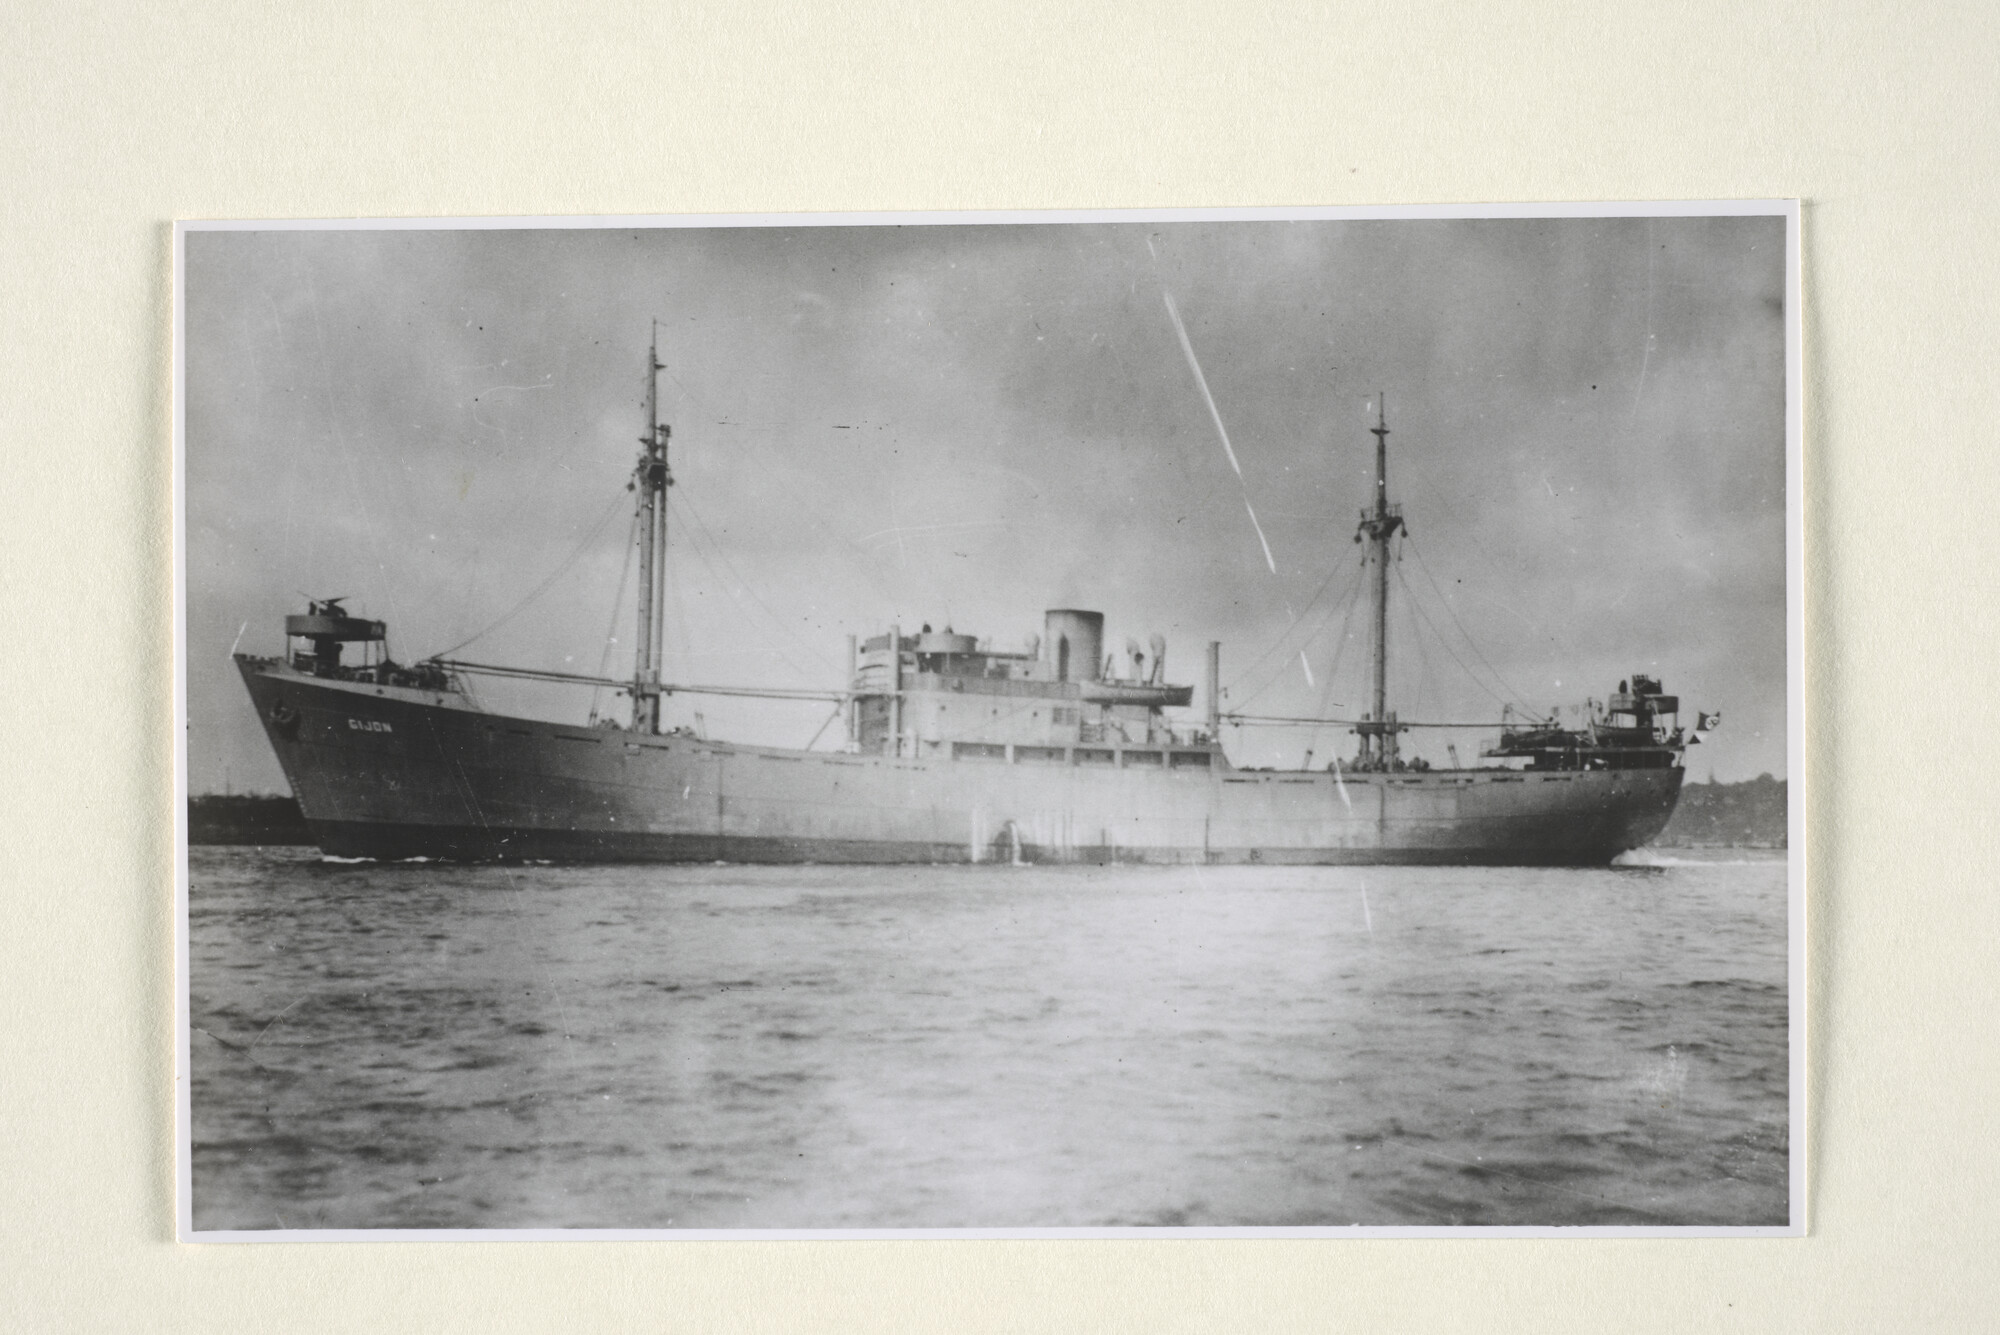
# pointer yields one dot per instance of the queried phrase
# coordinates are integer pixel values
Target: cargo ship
(954, 751)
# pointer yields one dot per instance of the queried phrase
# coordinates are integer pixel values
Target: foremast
(1379, 526)
(651, 478)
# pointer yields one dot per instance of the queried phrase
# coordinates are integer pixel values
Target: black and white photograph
(1250, 722)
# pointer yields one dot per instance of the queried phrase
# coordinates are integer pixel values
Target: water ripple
(383, 1045)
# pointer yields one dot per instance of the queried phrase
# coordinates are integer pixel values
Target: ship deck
(384, 772)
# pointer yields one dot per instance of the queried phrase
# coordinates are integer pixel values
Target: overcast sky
(969, 424)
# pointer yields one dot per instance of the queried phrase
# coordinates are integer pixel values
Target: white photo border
(1796, 998)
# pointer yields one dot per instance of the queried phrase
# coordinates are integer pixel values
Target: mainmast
(651, 479)
(1379, 526)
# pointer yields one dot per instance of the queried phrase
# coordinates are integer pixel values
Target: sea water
(435, 1046)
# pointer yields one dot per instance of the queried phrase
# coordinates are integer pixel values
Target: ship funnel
(1075, 642)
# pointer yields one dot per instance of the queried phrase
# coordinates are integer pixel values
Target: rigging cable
(711, 551)
(1348, 594)
(1279, 672)
(774, 476)
(1427, 680)
(1423, 565)
(1285, 635)
(543, 587)
(679, 625)
(1332, 675)
(617, 607)
(1472, 676)
(704, 544)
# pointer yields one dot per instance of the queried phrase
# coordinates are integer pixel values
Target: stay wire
(1471, 676)
(1339, 654)
(617, 609)
(1284, 636)
(1332, 676)
(1347, 596)
(545, 585)
(1427, 681)
(1423, 565)
(706, 544)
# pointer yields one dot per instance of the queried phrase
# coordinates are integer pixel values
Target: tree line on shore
(1751, 814)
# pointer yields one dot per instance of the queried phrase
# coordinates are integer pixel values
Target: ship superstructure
(954, 750)
(945, 694)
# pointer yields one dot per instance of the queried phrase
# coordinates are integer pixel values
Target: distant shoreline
(1752, 814)
(226, 818)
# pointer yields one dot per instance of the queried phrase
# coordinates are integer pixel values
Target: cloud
(432, 421)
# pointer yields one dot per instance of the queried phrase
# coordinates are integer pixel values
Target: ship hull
(388, 773)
